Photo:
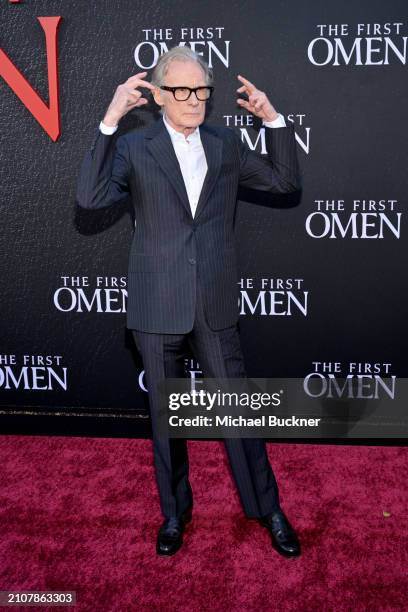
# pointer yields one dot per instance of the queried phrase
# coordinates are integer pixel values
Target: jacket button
(192, 261)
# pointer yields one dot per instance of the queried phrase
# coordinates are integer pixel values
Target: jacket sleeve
(104, 173)
(276, 172)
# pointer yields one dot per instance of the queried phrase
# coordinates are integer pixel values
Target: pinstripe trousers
(220, 356)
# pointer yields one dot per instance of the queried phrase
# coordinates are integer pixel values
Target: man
(183, 178)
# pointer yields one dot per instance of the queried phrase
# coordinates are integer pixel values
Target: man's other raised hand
(257, 103)
(126, 97)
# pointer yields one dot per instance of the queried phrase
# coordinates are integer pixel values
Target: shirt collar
(178, 136)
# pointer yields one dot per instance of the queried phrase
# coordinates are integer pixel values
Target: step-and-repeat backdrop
(322, 277)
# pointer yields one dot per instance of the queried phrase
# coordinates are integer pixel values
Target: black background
(358, 125)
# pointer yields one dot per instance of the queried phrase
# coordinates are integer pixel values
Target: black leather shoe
(170, 536)
(284, 538)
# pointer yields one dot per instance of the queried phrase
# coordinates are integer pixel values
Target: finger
(141, 83)
(255, 97)
(136, 104)
(256, 105)
(136, 76)
(245, 81)
(137, 80)
(258, 98)
(241, 89)
(244, 103)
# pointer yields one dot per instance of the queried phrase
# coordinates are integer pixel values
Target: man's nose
(193, 100)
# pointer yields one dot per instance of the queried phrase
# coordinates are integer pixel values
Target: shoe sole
(168, 554)
(288, 555)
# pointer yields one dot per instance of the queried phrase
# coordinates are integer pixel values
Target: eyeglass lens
(183, 93)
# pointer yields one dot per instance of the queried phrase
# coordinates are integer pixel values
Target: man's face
(187, 114)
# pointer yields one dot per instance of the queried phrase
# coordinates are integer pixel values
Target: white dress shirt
(191, 157)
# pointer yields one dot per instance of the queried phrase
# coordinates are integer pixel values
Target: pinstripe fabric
(170, 247)
(220, 356)
(167, 305)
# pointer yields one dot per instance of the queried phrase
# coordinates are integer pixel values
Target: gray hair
(181, 54)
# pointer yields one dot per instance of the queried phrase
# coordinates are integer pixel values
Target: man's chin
(193, 122)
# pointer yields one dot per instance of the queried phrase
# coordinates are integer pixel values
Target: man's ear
(157, 95)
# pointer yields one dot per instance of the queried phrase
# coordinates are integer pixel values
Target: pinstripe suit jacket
(170, 247)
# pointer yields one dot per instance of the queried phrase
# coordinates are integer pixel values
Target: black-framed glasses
(181, 94)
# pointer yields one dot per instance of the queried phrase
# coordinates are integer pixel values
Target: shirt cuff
(107, 129)
(278, 122)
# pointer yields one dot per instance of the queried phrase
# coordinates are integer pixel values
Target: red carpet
(82, 514)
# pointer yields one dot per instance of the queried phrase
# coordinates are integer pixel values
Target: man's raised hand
(126, 97)
(257, 103)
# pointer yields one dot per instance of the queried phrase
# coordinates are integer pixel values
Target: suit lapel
(160, 146)
(212, 146)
